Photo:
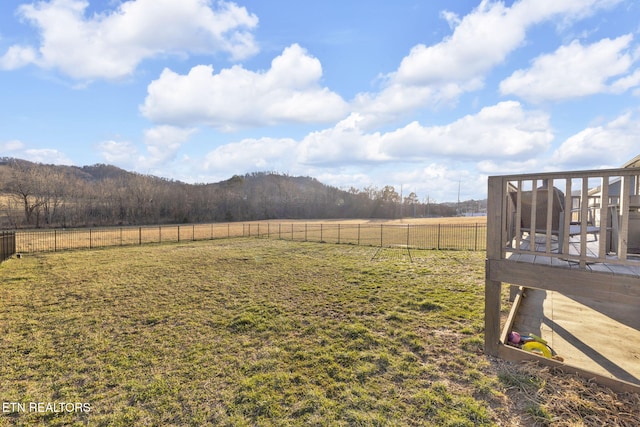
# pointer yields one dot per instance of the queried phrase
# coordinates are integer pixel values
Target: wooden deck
(580, 291)
(630, 268)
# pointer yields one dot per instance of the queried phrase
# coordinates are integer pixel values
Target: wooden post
(492, 289)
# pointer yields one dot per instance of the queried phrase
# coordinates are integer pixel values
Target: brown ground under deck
(599, 336)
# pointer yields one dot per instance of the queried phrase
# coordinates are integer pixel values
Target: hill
(40, 195)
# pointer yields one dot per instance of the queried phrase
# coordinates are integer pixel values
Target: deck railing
(584, 216)
(575, 233)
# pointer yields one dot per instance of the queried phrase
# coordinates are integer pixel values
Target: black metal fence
(7, 244)
(418, 236)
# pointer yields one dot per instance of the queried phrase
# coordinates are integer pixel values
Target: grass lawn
(246, 332)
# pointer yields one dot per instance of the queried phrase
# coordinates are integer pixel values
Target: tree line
(34, 195)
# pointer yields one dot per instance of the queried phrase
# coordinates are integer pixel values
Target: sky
(430, 97)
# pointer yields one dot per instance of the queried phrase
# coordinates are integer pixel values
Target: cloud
(17, 57)
(575, 70)
(611, 144)
(122, 153)
(252, 155)
(289, 92)
(346, 142)
(503, 130)
(430, 76)
(16, 148)
(11, 146)
(162, 143)
(47, 156)
(110, 45)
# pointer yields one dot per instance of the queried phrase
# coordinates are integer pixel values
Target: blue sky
(418, 94)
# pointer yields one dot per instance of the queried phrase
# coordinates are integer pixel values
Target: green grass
(248, 332)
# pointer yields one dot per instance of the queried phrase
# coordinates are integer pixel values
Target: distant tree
(25, 185)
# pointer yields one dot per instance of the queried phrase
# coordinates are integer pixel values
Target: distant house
(615, 189)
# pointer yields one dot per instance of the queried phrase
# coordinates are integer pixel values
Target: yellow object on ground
(538, 348)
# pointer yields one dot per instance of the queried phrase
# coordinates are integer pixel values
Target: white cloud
(252, 155)
(111, 45)
(11, 146)
(440, 73)
(575, 70)
(480, 40)
(610, 144)
(502, 130)
(16, 148)
(492, 167)
(288, 92)
(344, 143)
(122, 153)
(162, 145)
(16, 57)
(47, 156)
(163, 142)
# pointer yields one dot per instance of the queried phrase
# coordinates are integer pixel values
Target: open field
(463, 220)
(243, 332)
(463, 233)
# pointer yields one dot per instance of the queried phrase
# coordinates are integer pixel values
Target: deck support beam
(492, 291)
(599, 285)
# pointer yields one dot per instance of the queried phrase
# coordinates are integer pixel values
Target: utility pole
(458, 208)
(401, 202)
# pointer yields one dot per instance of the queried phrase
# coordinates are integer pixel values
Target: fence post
(438, 236)
(358, 234)
(407, 236)
(338, 233)
(120, 236)
(193, 232)
(159, 234)
(279, 231)
(90, 240)
(475, 240)
(55, 240)
(139, 235)
(178, 234)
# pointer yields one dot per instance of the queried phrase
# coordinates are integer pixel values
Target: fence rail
(418, 236)
(7, 244)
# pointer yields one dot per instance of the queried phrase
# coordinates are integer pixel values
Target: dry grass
(464, 220)
(548, 397)
(245, 332)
